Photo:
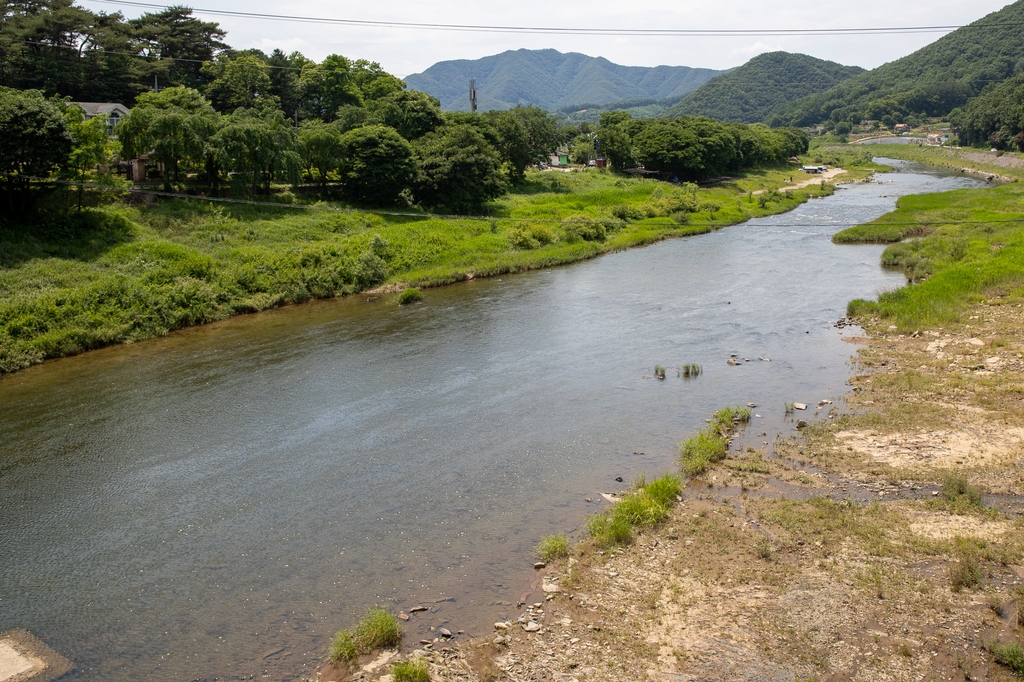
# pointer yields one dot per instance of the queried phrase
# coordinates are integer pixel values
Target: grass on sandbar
(377, 629)
(643, 506)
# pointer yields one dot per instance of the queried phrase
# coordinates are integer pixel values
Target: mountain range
(552, 80)
(750, 93)
(934, 80)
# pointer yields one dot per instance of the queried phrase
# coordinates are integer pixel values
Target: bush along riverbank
(881, 539)
(120, 273)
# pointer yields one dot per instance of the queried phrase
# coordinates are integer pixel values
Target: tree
(616, 145)
(260, 146)
(372, 81)
(239, 83)
(174, 126)
(327, 86)
(458, 169)
(670, 147)
(36, 138)
(284, 73)
(174, 34)
(377, 165)
(93, 145)
(321, 146)
(410, 112)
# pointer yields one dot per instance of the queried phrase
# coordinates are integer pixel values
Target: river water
(215, 503)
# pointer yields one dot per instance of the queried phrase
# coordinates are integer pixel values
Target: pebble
(500, 640)
(799, 406)
(403, 616)
(618, 479)
(501, 626)
(446, 632)
(539, 565)
(801, 424)
(532, 626)
(424, 641)
(417, 608)
(751, 404)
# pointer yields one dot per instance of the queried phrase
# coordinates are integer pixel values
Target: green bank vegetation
(642, 507)
(115, 273)
(954, 247)
(710, 444)
(377, 629)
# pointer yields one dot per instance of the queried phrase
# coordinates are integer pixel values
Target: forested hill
(749, 93)
(934, 80)
(552, 80)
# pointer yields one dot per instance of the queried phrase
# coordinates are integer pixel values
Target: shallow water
(217, 502)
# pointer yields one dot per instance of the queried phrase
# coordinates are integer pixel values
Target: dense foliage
(749, 93)
(932, 81)
(994, 118)
(695, 148)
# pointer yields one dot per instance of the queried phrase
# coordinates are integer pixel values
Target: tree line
(994, 118)
(694, 148)
(396, 149)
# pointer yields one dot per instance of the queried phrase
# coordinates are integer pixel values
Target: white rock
(799, 406)
(532, 626)
(976, 342)
(501, 626)
(550, 587)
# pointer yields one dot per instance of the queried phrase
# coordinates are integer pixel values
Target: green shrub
(584, 227)
(552, 547)
(609, 530)
(415, 670)
(377, 629)
(1010, 654)
(410, 295)
(659, 371)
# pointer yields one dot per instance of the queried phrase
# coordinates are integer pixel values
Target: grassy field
(119, 273)
(956, 248)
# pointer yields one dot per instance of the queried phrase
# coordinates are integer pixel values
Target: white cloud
(405, 51)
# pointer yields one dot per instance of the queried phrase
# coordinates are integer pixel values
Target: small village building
(112, 110)
(901, 128)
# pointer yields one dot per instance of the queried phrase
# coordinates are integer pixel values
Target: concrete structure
(23, 658)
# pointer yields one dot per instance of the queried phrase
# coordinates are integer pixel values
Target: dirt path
(811, 180)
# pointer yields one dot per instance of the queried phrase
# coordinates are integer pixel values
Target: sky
(406, 51)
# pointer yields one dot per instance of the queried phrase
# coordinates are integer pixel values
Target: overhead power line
(559, 30)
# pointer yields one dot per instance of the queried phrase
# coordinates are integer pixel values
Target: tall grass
(377, 629)
(415, 670)
(643, 506)
(551, 547)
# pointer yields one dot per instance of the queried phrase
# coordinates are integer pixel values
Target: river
(217, 502)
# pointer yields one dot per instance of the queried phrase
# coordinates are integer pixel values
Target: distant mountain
(748, 94)
(935, 79)
(552, 80)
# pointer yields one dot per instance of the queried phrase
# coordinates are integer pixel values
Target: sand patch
(947, 449)
(943, 526)
(16, 664)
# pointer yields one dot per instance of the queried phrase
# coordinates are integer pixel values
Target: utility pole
(472, 95)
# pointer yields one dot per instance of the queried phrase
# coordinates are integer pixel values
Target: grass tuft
(690, 371)
(410, 295)
(710, 444)
(1010, 654)
(763, 548)
(552, 547)
(377, 629)
(645, 505)
(965, 572)
(958, 494)
(659, 371)
(415, 670)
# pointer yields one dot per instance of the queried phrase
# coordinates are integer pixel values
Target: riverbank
(883, 541)
(120, 274)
